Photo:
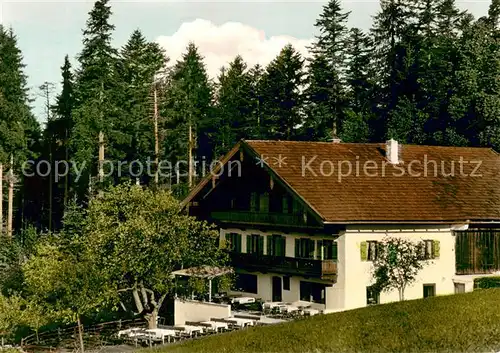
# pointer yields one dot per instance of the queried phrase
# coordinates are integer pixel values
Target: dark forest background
(425, 73)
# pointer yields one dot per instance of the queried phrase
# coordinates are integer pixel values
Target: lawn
(459, 323)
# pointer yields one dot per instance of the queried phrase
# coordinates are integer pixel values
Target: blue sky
(48, 30)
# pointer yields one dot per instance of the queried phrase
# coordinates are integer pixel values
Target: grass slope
(459, 323)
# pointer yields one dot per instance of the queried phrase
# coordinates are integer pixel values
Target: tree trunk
(1, 198)
(80, 335)
(190, 157)
(401, 294)
(101, 157)
(153, 319)
(157, 149)
(11, 198)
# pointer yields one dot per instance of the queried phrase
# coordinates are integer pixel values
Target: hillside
(459, 323)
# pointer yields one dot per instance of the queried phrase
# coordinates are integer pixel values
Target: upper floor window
(304, 248)
(369, 250)
(255, 244)
(430, 249)
(327, 250)
(276, 245)
(233, 241)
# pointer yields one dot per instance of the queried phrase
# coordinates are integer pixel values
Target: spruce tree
(328, 49)
(283, 99)
(98, 93)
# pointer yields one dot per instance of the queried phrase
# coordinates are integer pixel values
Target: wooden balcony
(268, 218)
(323, 269)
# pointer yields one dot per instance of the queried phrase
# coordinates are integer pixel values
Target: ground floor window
(286, 283)
(312, 292)
(459, 288)
(372, 296)
(245, 283)
(429, 290)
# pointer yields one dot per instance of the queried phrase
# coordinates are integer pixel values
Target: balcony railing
(260, 218)
(325, 269)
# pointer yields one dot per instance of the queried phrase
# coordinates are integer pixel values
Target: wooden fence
(477, 251)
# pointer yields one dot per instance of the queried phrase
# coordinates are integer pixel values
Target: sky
(257, 30)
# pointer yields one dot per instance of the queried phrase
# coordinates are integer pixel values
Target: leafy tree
(397, 265)
(139, 237)
(282, 96)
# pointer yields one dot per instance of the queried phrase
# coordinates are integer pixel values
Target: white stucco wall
(353, 274)
(356, 274)
(189, 310)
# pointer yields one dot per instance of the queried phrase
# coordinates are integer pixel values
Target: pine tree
(19, 130)
(96, 91)
(281, 90)
(189, 109)
(328, 55)
(139, 63)
(235, 105)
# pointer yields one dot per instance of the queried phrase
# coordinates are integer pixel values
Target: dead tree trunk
(1, 198)
(10, 211)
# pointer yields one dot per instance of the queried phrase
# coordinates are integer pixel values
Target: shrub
(487, 282)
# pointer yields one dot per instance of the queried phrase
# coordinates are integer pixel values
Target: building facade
(301, 221)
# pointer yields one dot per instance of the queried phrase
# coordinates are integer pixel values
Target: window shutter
(436, 249)
(334, 251)
(270, 245)
(321, 251)
(261, 245)
(297, 248)
(238, 243)
(283, 246)
(311, 248)
(249, 244)
(253, 202)
(364, 251)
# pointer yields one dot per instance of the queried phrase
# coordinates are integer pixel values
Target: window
(428, 249)
(255, 244)
(287, 206)
(286, 283)
(327, 250)
(459, 288)
(246, 283)
(276, 245)
(254, 202)
(429, 290)
(372, 296)
(372, 250)
(233, 242)
(264, 202)
(312, 292)
(304, 248)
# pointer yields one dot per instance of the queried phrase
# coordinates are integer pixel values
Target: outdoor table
(311, 312)
(241, 322)
(243, 300)
(216, 326)
(191, 330)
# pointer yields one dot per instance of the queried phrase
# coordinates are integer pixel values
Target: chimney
(392, 151)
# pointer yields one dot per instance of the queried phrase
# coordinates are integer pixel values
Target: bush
(487, 282)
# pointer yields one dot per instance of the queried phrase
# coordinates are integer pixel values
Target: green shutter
(270, 245)
(261, 245)
(436, 249)
(321, 249)
(282, 242)
(297, 248)
(364, 251)
(334, 251)
(249, 244)
(311, 248)
(238, 243)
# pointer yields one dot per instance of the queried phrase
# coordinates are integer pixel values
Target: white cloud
(219, 45)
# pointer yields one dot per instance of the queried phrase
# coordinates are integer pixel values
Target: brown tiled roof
(396, 197)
